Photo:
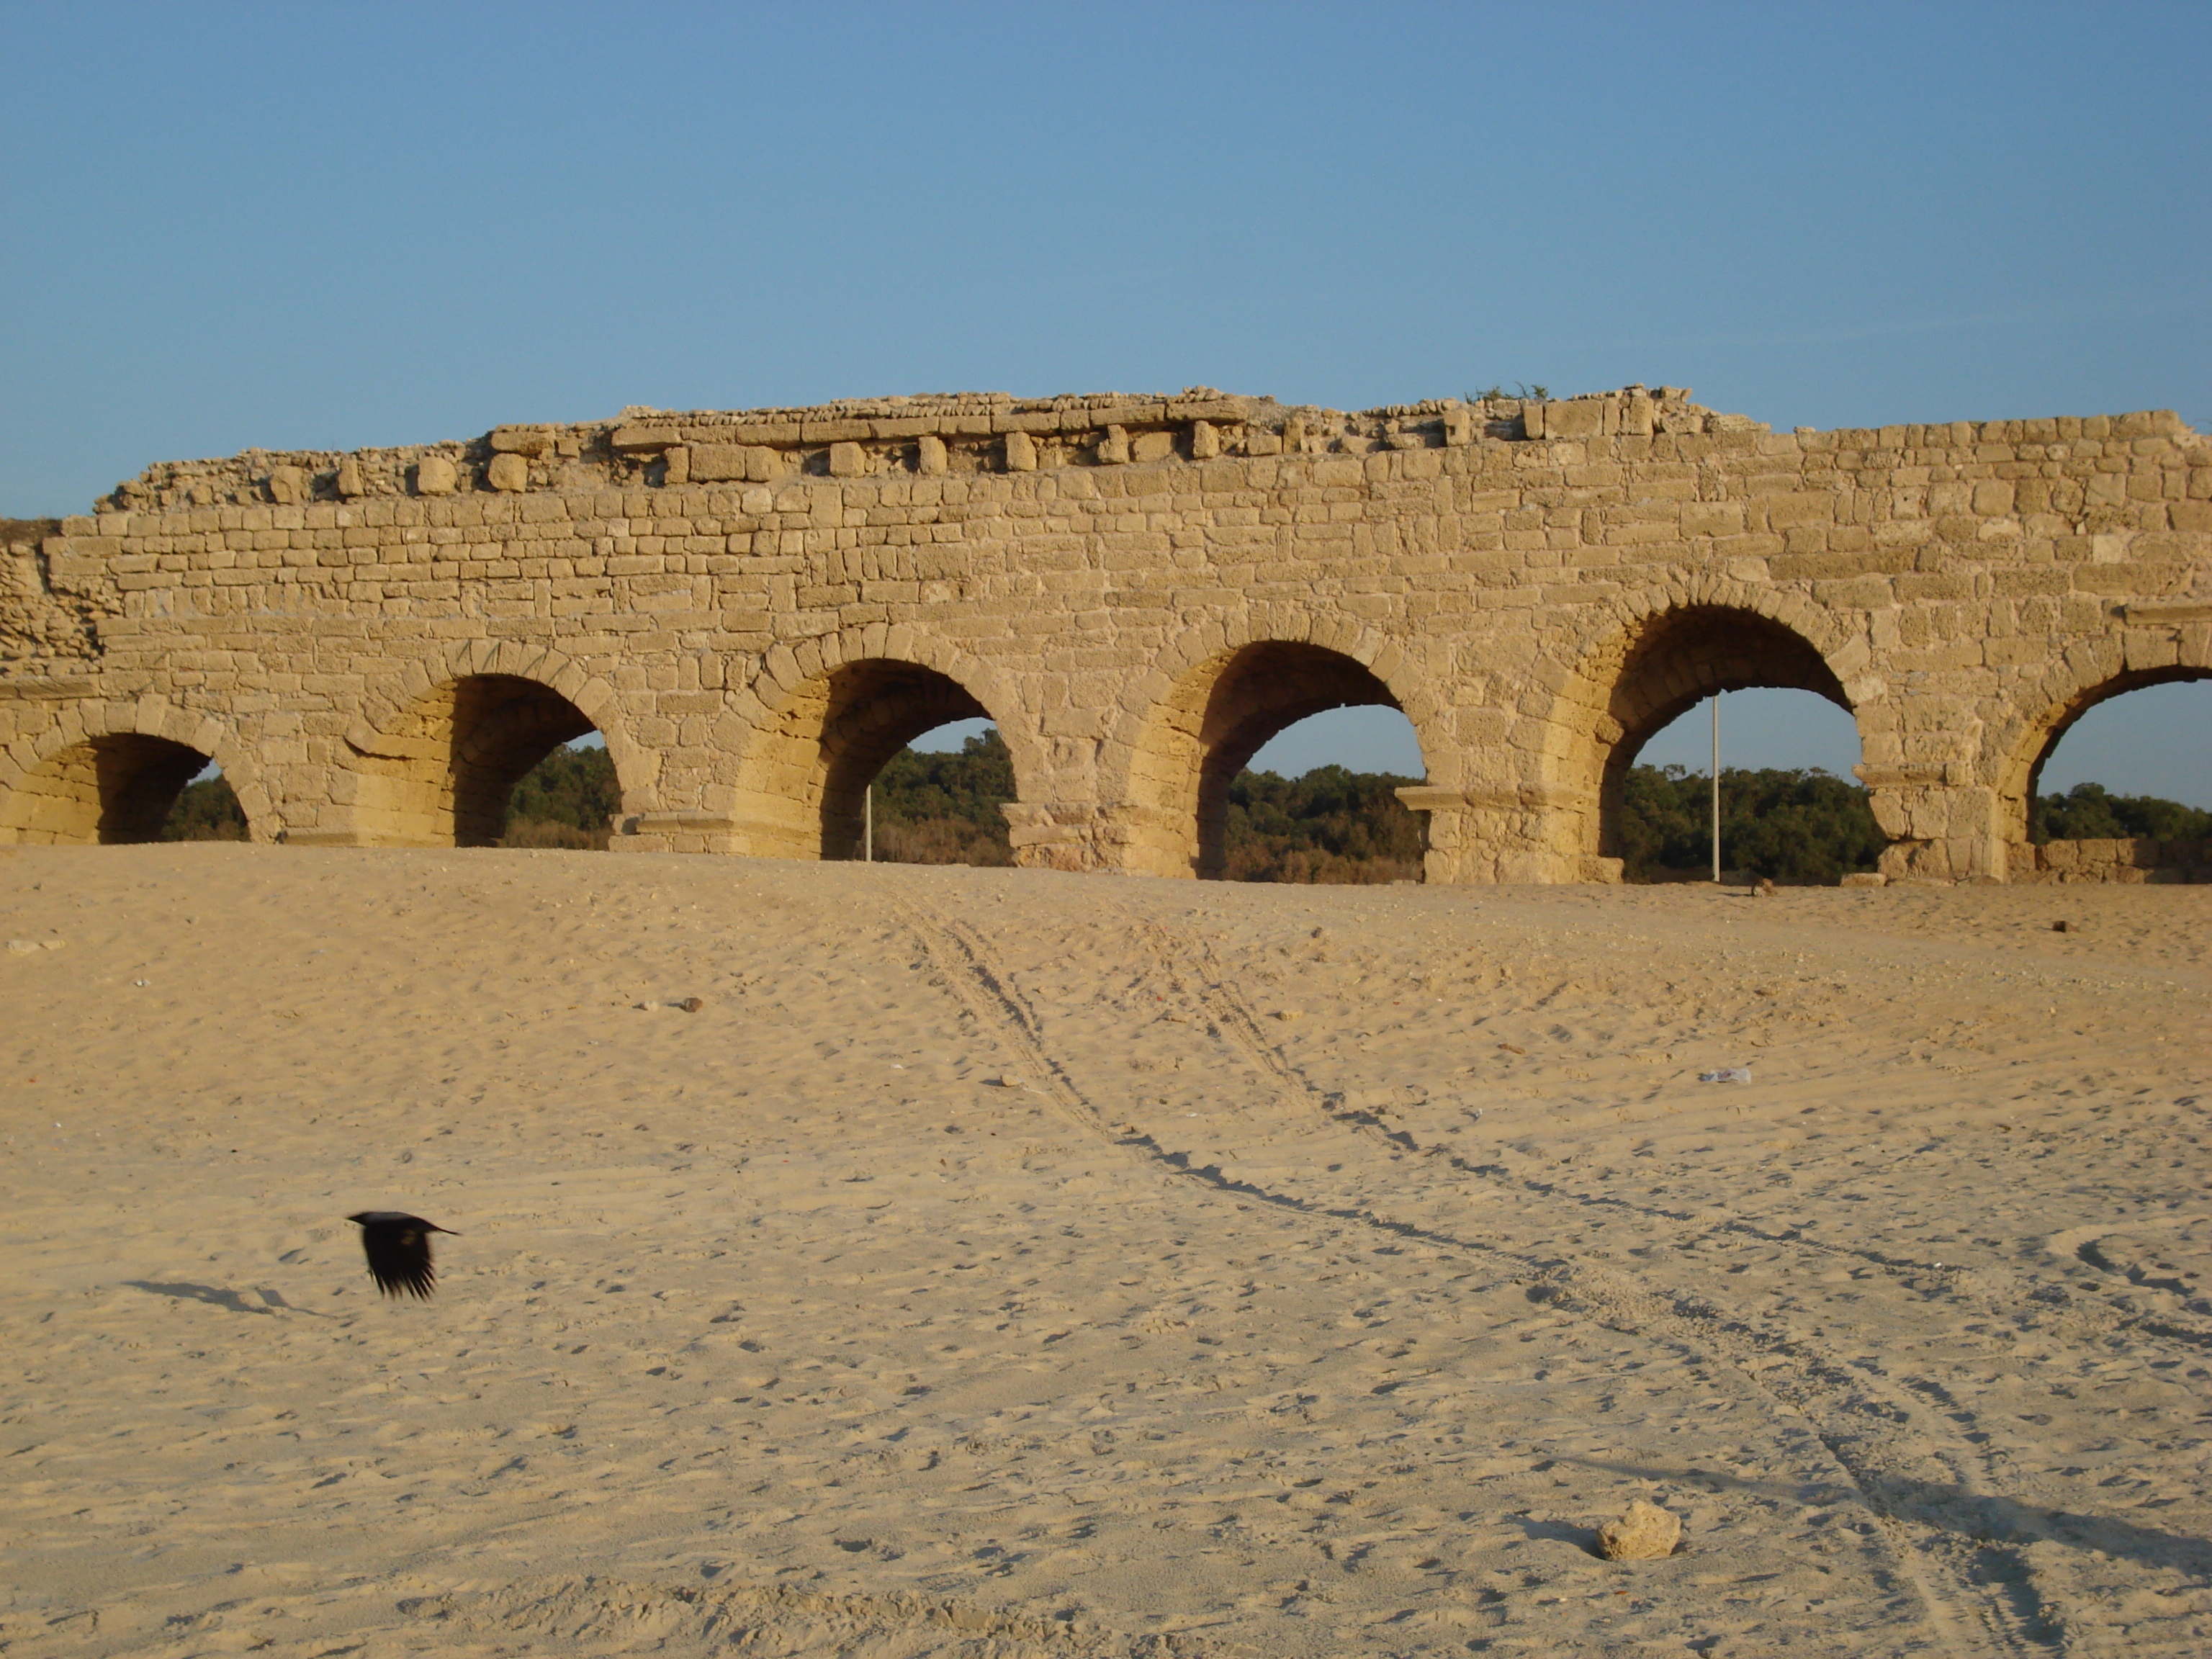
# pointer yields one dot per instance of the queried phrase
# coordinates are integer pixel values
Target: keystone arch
(108, 773)
(1215, 702)
(435, 761)
(1664, 659)
(2017, 751)
(829, 714)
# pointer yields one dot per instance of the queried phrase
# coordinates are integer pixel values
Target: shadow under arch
(109, 773)
(1664, 665)
(440, 772)
(1215, 716)
(2019, 773)
(803, 781)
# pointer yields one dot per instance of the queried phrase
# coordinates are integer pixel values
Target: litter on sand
(1727, 1074)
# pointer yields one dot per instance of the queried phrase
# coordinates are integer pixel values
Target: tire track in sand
(1862, 1420)
(1856, 1418)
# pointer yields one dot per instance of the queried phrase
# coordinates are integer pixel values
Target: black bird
(398, 1249)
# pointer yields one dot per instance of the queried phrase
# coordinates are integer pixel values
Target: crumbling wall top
(934, 433)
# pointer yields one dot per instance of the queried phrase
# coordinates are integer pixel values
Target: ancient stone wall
(756, 609)
(2137, 858)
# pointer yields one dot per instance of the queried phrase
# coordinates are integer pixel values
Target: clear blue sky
(301, 225)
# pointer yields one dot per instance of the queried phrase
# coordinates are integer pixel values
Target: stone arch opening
(1206, 731)
(115, 789)
(441, 772)
(1672, 663)
(2021, 781)
(808, 771)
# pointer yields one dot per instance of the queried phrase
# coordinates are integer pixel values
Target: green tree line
(2088, 812)
(1331, 825)
(1801, 826)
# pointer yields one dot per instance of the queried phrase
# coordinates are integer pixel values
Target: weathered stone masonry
(758, 609)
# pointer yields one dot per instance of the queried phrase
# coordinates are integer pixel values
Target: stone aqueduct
(758, 609)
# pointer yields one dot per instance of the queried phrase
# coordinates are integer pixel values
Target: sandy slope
(1003, 1263)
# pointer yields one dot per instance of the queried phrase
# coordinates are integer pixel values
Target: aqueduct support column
(1531, 832)
(1942, 821)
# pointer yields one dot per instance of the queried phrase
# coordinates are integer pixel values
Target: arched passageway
(807, 772)
(109, 790)
(442, 772)
(1217, 718)
(1791, 807)
(1671, 664)
(2088, 793)
(938, 799)
(1319, 803)
(2154, 765)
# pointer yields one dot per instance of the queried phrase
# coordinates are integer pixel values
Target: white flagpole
(1717, 787)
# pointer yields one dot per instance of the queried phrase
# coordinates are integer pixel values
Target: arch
(389, 699)
(108, 774)
(2088, 676)
(443, 740)
(823, 716)
(1663, 658)
(440, 773)
(1215, 701)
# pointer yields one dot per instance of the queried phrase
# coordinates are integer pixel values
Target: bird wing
(399, 1258)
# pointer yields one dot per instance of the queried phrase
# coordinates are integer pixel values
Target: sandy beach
(1005, 1263)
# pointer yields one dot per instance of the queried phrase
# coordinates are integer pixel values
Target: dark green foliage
(943, 808)
(1796, 826)
(206, 811)
(1331, 825)
(2086, 812)
(565, 800)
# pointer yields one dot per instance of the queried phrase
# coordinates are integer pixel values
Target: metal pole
(868, 825)
(1716, 788)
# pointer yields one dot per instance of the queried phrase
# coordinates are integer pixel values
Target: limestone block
(350, 482)
(1205, 441)
(1114, 446)
(1021, 452)
(508, 472)
(287, 484)
(931, 459)
(1638, 414)
(531, 441)
(716, 462)
(850, 461)
(1459, 425)
(1579, 417)
(435, 475)
(1151, 446)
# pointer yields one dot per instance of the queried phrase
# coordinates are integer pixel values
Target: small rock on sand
(692, 1005)
(1645, 1533)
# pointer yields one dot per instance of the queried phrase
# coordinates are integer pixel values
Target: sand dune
(1003, 1263)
